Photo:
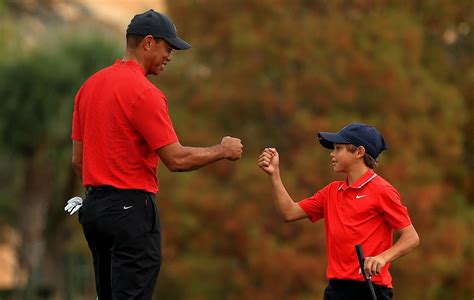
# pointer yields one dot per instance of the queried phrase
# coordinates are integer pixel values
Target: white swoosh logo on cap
(127, 207)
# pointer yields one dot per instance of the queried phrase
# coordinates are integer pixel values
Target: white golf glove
(73, 205)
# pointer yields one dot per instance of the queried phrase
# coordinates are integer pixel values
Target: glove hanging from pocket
(73, 205)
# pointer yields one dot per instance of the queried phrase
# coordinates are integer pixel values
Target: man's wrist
(222, 152)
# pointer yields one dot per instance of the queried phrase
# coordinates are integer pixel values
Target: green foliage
(2, 6)
(38, 89)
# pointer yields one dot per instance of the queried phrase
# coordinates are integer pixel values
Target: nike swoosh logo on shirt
(127, 207)
(360, 196)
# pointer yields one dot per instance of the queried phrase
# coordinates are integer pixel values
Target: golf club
(360, 256)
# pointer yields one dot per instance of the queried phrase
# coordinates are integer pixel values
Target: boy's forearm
(408, 241)
(283, 202)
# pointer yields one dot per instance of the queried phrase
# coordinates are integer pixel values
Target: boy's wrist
(386, 256)
(275, 175)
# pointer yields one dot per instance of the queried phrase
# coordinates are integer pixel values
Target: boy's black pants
(122, 229)
(354, 290)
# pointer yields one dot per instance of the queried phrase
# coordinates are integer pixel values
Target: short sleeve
(314, 205)
(76, 122)
(395, 213)
(151, 119)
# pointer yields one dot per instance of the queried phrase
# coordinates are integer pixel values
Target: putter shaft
(361, 257)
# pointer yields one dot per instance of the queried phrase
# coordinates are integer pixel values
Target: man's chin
(154, 73)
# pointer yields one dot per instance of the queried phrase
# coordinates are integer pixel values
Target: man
(363, 209)
(121, 129)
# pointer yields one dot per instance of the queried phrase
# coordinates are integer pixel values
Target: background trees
(38, 83)
(272, 73)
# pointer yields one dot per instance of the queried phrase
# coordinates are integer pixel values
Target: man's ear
(147, 42)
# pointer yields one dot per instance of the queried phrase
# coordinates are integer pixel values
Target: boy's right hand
(269, 161)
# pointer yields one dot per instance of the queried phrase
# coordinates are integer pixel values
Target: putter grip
(360, 256)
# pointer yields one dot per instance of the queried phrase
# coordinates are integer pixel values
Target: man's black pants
(122, 228)
(354, 290)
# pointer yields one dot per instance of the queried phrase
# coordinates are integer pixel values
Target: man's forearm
(193, 158)
(178, 158)
(78, 170)
(77, 158)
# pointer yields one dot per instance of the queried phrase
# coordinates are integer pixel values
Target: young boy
(363, 209)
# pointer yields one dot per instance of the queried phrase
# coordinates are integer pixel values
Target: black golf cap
(159, 26)
(357, 134)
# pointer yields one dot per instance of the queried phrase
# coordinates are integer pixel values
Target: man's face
(159, 55)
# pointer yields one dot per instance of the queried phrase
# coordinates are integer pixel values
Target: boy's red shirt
(366, 213)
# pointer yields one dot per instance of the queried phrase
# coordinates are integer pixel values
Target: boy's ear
(360, 151)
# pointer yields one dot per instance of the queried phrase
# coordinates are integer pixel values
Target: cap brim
(177, 43)
(327, 139)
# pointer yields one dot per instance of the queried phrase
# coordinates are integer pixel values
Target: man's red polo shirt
(364, 213)
(121, 118)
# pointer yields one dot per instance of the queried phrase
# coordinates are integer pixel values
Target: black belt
(109, 188)
(101, 188)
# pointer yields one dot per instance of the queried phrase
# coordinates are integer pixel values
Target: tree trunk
(32, 220)
(56, 267)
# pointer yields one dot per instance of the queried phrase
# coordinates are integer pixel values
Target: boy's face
(342, 159)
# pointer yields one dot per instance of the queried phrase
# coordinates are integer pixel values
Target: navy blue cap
(357, 134)
(159, 26)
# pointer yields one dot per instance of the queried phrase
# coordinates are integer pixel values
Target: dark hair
(133, 40)
(369, 161)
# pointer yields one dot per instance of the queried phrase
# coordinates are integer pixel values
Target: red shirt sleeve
(395, 213)
(76, 122)
(314, 205)
(151, 119)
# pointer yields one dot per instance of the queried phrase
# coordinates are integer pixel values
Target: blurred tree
(274, 73)
(37, 91)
